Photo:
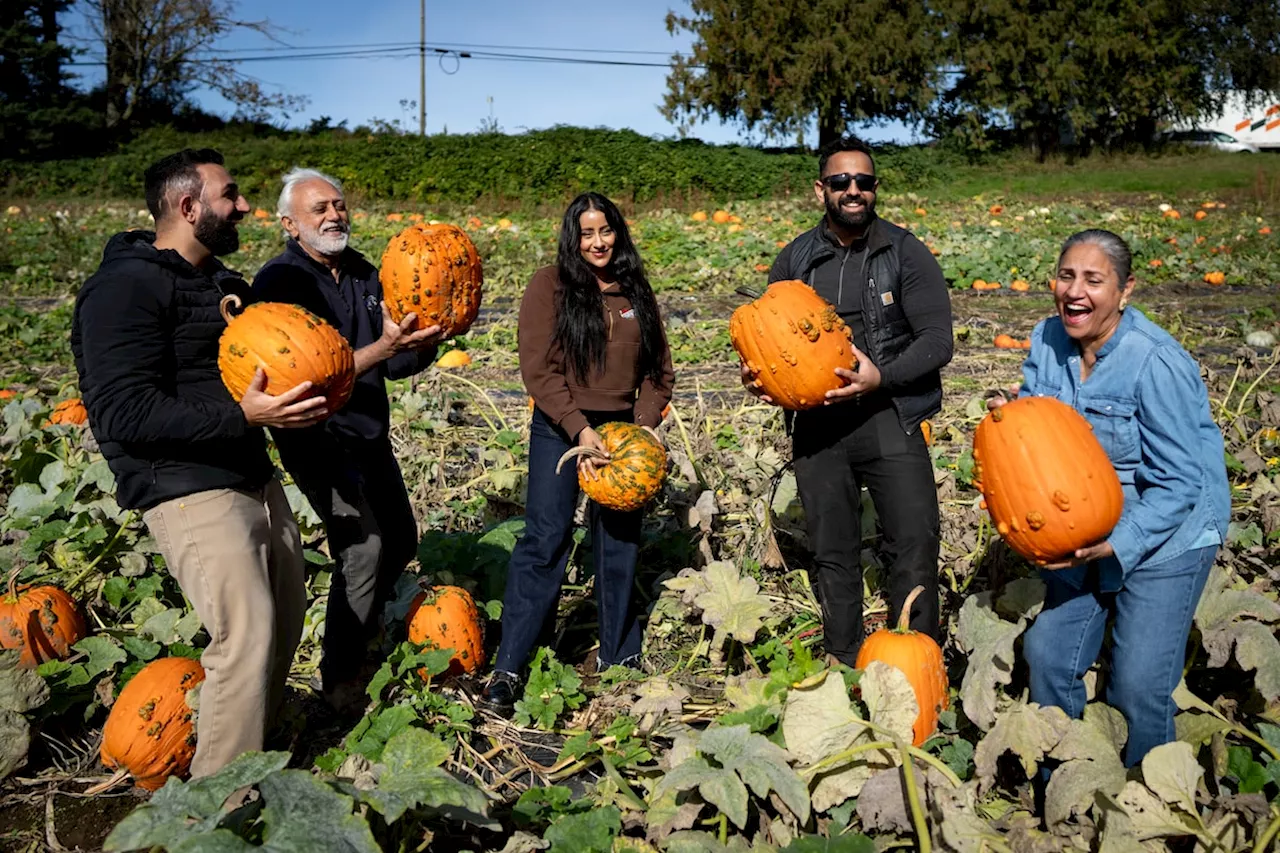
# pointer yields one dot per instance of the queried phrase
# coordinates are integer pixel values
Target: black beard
(217, 235)
(849, 220)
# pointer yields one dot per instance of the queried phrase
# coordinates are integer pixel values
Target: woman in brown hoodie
(592, 350)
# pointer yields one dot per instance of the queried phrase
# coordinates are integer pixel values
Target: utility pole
(422, 67)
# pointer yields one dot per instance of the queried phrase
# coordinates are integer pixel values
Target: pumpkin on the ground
(42, 622)
(68, 412)
(453, 358)
(434, 272)
(920, 660)
(635, 470)
(150, 733)
(446, 617)
(1045, 480)
(792, 340)
(291, 345)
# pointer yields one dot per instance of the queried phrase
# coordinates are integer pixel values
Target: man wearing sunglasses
(891, 292)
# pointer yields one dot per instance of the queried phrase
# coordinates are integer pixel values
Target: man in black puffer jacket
(889, 289)
(145, 340)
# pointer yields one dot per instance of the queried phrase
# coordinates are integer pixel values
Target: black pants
(357, 489)
(536, 569)
(837, 450)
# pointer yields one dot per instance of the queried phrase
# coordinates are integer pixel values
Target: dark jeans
(1151, 618)
(536, 570)
(357, 489)
(837, 450)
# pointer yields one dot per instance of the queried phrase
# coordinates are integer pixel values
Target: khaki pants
(238, 557)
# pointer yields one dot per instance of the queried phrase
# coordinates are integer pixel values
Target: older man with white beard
(345, 466)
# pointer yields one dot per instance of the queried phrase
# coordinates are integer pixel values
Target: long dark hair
(580, 329)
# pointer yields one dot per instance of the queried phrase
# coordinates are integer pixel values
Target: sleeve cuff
(574, 423)
(1127, 544)
(648, 415)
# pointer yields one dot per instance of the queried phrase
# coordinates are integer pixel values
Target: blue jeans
(538, 561)
(1151, 617)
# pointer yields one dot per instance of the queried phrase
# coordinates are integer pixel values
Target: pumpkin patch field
(736, 734)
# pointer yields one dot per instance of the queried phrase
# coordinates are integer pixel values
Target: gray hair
(295, 176)
(1112, 245)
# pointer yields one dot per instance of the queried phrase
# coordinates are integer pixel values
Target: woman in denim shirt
(1142, 393)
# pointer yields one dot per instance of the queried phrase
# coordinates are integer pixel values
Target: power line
(408, 51)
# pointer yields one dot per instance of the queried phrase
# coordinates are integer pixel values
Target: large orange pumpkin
(68, 412)
(793, 340)
(291, 345)
(434, 272)
(920, 660)
(446, 617)
(42, 622)
(635, 472)
(150, 733)
(1045, 480)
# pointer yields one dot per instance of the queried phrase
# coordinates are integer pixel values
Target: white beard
(328, 244)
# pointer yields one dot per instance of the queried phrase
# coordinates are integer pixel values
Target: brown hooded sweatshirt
(551, 382)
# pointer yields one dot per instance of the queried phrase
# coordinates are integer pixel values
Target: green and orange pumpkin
(635, 469)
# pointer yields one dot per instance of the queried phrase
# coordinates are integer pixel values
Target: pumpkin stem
(904, 616)
(116, 778)
(229, 299)
(581, 451)
(13, 583)
(749, 292)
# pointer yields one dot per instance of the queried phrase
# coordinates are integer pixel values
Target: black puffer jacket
(145, 340)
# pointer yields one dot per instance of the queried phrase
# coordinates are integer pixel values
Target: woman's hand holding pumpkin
(1085, 555)
(1000, 396)
(588, 463)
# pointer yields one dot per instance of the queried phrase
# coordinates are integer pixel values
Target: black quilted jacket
(145, 340)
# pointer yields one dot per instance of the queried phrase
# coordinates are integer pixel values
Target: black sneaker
(499, 695)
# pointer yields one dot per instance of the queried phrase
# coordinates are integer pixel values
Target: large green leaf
(182, 812)
(409, 776)
(303, 814)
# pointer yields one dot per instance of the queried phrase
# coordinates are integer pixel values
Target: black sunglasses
(841, 182)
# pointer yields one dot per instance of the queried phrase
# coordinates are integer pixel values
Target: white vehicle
(1238, 127)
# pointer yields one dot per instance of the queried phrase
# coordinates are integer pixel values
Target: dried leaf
(890, 698)
(988, 641)
(882, 803)
(731, 603)
(1172, 772)
(1029, 731)
(658, 696)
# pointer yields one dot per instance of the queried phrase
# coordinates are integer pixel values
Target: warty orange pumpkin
(446, 617)
(920, 660)
(635, 470)
(41, 622)
(70, 412)
(792, 340)
(434, 272)
(1045, 480)
(291, 345)
(150, 733)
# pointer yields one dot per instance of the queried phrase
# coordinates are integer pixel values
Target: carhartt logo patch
(886, 299)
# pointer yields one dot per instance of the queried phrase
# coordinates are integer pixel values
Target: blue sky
(526, 95)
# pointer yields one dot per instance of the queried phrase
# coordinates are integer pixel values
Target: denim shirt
(1150, 412)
